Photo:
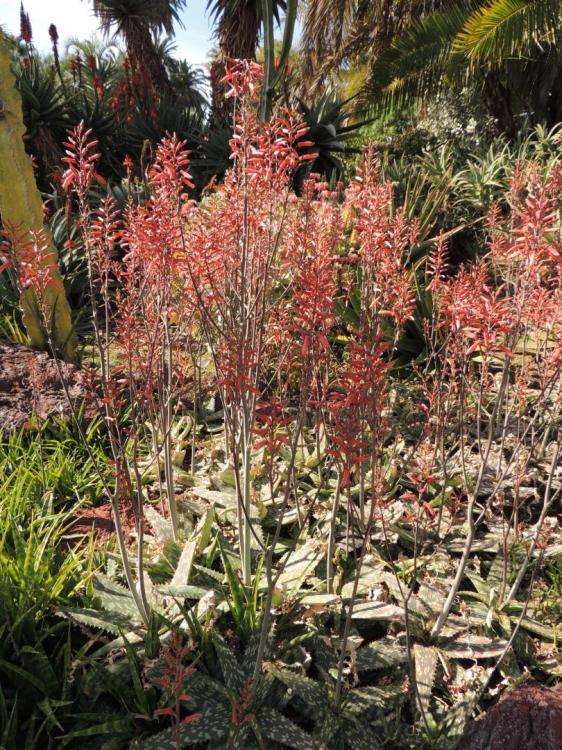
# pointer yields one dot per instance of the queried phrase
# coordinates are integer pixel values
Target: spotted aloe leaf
(275, 726)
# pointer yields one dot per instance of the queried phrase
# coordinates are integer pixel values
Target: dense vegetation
(312, 499)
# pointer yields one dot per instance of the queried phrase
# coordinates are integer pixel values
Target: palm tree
(138, 22)
(510, 48)
(336, 33)
(237, 30)
(411, 49)
(237, 26)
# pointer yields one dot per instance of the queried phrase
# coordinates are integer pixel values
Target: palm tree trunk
(144, 55)
(238, 33)
(498, 102)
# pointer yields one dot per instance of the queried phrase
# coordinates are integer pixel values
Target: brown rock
(527, 718)
(31, 387)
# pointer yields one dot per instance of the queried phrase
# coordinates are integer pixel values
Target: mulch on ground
(31, 389)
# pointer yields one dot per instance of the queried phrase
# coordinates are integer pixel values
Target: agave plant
(332, 135)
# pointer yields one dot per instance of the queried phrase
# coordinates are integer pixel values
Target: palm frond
(160, 15)
(336, 30)
(416, 63)
(504, 28)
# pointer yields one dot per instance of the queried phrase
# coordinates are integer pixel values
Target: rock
(527, 718)
(31, 388)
